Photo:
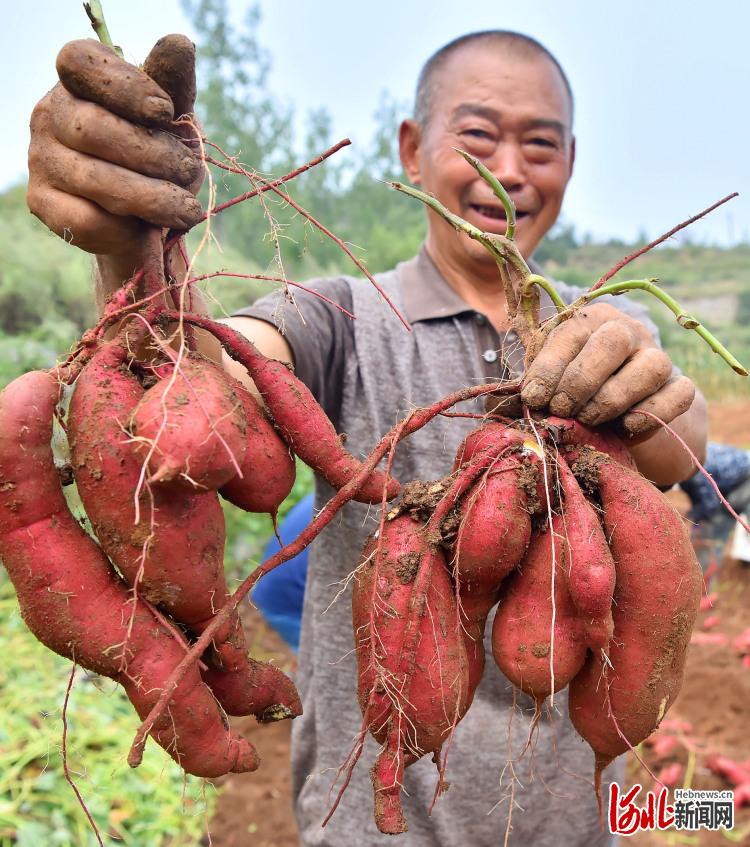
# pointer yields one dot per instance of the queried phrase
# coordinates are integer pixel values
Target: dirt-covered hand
(106, 157)
(598, 365)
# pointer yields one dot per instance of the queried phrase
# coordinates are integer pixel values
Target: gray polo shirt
(367, 373)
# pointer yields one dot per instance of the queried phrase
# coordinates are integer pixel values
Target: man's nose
(508, 165)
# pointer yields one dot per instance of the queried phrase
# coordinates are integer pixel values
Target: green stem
(535, 279)
(497, 189)
(99, 25)
(685, 320)
(458, 223)
(502, 248)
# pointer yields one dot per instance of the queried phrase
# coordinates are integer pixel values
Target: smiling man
(503, 97)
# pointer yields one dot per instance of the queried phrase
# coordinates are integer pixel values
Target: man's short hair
(522, 46)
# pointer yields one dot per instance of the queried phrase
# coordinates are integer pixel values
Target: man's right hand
(105, 159)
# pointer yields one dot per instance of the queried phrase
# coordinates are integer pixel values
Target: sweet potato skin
(574, 433)
(190, 428)
(493, 535)
(522, 628)
(107, 470)
(587, 562)
(656, 600)
(267, 469)
(411, 710)
(494, 532)
(402, 546)
(191, 587)
(495, 437)
(73, 602)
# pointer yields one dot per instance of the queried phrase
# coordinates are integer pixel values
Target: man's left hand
(599, 364)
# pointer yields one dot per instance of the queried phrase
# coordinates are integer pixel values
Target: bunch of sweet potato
(152, 446)
(594, 578)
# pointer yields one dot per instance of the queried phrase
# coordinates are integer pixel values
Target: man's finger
(81, 222)
(171, 64)
(674, 399)
(88, 128)
(115, 189)
(561, 347)
(92, 71)
(606, 349)
(647, 371)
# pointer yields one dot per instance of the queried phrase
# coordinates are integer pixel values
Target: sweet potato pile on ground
(593, 572)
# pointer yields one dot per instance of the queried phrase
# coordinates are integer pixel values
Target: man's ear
(572, 156)
(409, 141)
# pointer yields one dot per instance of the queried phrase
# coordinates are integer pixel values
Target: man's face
(514, 115)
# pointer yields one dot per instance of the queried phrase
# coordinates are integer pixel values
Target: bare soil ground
(254, 810)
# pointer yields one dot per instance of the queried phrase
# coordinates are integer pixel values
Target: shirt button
(490, 356)
(480, 319)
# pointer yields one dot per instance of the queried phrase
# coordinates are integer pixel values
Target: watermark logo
(690, 810)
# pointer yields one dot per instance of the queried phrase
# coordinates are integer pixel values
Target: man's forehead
(475, 66)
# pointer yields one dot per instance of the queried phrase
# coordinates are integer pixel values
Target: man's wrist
(111, 273)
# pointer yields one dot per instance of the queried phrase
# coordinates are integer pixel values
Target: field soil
(255, 810)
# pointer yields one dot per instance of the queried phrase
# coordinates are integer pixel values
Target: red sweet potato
(268, 467)
(299, 418)
(527, 647)
(587, 562)
(189, 586)
(409, 706)
(574, 433)
(493, 535)
(656, 599)
(190, 428)
(496, 437)
(174, 554)
(73, 602)
(260, 689)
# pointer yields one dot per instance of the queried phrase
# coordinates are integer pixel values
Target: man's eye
(475, 132)
(543, 142)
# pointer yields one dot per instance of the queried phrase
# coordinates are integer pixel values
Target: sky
(662, 86)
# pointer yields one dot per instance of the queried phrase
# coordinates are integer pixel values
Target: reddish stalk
(650, 246)
(66, 770)
(255, 177)
(698, 465)
(283, 280)
(416, 420)
(270, 185)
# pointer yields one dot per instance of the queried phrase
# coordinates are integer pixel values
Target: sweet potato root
(587, 563)
(496, 437)
(74, 603)
(411, 709)
(301, 421)
(494, 532)
(616, 704)
(267, 470)
(539, 645)
(190, 586)
(189, 427)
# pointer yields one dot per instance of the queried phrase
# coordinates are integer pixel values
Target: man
(504, 98)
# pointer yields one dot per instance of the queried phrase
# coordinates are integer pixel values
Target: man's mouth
(496, 213)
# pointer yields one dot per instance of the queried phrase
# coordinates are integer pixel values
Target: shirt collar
(427, 295)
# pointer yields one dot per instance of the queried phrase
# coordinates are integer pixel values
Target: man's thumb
(171, 64)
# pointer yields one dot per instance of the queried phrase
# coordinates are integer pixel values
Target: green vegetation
(46, 302)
